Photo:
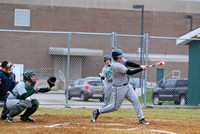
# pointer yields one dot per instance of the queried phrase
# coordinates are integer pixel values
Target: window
(81, 82)
(22, 17)
(182, 83)
(75, 83)
(170, 84)
(95, 83)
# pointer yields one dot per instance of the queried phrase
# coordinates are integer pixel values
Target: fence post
(112, 43)
(68, 63)
(146, 72)
(142, 63)
(115, 41)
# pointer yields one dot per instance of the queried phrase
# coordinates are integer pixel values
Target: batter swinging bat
(98, 67)
(157, 64)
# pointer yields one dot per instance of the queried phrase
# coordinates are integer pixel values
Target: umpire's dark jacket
(7, 83)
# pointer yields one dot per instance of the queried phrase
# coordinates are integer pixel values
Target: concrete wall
(60, 72)
(60, 65)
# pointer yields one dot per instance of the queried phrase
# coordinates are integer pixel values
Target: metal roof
(75, 51)
(186, 38)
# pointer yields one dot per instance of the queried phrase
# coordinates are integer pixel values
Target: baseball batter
(121, 88)
(19, 99)
(107, 75)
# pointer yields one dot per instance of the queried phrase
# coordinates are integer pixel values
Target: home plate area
(114, 127)
(53, 124)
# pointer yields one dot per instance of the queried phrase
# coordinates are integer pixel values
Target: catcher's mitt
(51, 81)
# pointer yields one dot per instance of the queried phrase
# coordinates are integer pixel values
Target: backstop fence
(72, 57)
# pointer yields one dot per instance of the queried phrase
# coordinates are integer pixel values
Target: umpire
(7, 83)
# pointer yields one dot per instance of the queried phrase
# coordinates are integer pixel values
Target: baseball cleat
(10, 119)
(27, 119)
(3, 117)
(142, 121)
(95, 115)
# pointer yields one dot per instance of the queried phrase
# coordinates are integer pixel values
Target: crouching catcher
(19, 99)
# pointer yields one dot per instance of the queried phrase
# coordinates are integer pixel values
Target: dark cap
(3, 64)
(6, 64)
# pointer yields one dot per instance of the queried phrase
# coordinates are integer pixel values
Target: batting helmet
(106, 57)
(27, 76)
(117, 53)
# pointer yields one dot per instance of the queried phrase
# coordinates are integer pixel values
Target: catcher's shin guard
(30, 111)
(17, 109)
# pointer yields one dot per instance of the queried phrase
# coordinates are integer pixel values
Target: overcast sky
(190, 0)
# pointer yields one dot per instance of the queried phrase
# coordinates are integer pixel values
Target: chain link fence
(85, 86)
(73, 58)
(174, 86)
(176, 67)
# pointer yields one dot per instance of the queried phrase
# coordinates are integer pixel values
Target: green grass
(149, 100)
(149, 93)
(54, 90)
(164, 113)
(173, 113)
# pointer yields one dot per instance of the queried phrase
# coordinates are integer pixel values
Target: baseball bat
(98, 68)
(157, 64)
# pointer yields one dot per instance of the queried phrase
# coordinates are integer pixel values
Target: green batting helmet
(106, 57)
(27, 76)
(117, 53)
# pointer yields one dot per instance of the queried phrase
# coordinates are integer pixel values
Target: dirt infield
(51, 124)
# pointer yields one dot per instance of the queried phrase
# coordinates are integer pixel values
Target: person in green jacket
(19, 99)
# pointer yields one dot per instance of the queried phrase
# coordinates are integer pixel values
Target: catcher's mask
(117, 53)
(7, 65)
(27, 77)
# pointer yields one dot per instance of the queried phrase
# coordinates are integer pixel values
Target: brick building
(160, 19)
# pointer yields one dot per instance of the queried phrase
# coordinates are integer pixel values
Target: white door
(18, 69)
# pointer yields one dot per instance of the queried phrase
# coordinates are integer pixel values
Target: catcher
(19, 99)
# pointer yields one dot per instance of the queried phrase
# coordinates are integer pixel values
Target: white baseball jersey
(107, 72)
(119, 73)
(19, 90)
(121, 89)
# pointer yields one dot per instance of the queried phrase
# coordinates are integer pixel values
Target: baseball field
(78, 120)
